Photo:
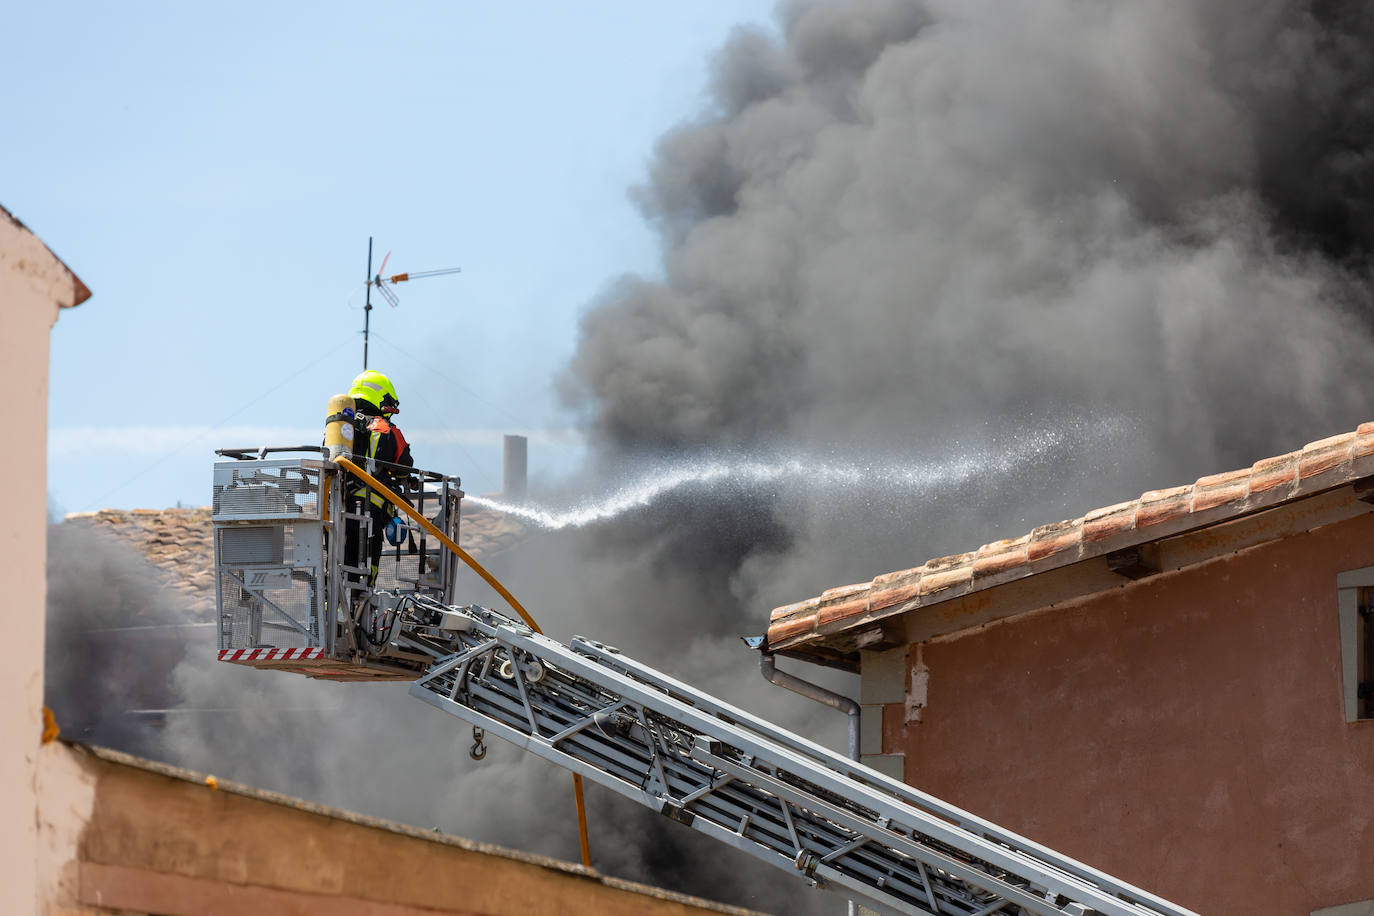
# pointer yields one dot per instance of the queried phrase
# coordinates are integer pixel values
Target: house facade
(1174, 689)
(34, 287)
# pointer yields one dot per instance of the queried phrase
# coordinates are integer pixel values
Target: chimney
(514, 466)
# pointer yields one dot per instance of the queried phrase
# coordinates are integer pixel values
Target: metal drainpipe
(818, 693)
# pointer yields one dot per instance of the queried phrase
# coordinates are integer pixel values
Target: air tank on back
(338, 426)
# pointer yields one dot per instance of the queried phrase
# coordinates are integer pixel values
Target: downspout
(815, 692)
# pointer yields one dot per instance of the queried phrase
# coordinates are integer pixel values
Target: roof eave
(80, 292)
(1326, 480)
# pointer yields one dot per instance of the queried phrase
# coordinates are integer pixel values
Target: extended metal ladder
(740, 779)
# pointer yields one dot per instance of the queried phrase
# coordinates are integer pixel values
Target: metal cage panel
(263, 490)
(271, 586)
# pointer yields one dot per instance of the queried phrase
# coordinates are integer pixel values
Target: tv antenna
(383, 285)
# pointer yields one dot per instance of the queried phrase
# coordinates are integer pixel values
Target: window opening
(1364, 643)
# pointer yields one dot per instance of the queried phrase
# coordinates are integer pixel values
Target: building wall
(1186, 733)
(33, 286)
(125, 835)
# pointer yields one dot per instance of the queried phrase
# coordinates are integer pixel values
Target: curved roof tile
(1210, 500)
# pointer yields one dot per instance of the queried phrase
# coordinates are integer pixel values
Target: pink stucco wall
(1185, 733)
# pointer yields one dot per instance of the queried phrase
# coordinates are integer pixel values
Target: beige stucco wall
(34, 285)
(118, 834)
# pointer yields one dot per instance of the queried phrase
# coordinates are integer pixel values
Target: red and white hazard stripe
(267, 655)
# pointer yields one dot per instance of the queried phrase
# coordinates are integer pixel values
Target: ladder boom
(744, 781)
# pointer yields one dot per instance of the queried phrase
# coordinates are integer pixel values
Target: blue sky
(213, 174)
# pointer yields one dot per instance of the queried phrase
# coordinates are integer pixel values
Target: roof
(79, 293)
(831, 627)
(179, 543)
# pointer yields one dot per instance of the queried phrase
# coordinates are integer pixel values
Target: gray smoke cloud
(901, 228)
(901, 216)
(112, 641)
(898, 235)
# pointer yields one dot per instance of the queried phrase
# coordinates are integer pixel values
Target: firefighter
(381, 450)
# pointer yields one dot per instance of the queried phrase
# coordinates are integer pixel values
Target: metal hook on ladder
(479, 748)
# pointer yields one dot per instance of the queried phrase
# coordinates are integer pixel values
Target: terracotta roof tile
(939, 580)
(177, 542)
(842, 611)
(841, 591)
(899, 576)
(992, 564)
(1159, 506)
(1326, 455)
(1048, 540)
(1364, 441)
(805, 609)
(895, 592)
(1268, 473)
(786, 629)
(1103, 523)
(939, 563)
(1212, 499)
(841, 603)
(1006, 545)
(1219, 489)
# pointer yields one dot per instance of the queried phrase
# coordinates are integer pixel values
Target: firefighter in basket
(380, 449)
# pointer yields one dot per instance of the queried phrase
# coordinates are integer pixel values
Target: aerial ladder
(287, 601)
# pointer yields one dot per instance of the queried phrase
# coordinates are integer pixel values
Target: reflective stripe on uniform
(379, 427)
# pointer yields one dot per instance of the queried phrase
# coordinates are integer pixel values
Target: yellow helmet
(376, 389)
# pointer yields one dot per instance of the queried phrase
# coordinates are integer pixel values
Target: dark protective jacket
(377, 438)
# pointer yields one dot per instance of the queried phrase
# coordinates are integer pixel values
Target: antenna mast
(378, 280)
(367, 307)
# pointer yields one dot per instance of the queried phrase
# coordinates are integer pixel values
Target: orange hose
(444, 539)
(582, 820)
(467, 558)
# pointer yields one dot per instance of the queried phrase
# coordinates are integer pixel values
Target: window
(1364, 654)
(1355, 606)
